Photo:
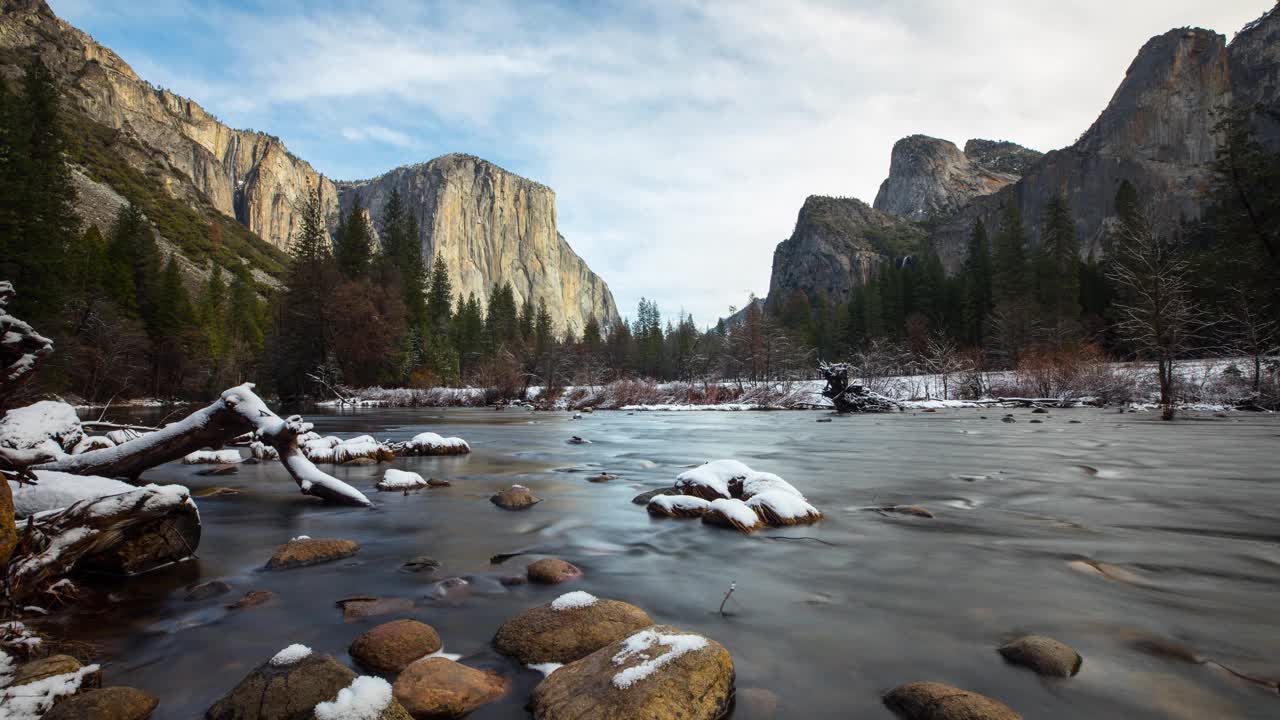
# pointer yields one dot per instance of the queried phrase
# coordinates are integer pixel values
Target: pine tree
(304, 343)
(976, 273)
(401, 259)
(212, 314)
(1059, 282)
(355, 247)
(1010, 274)
(439, 298)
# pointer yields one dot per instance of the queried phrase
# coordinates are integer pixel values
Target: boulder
(1043, 654)
(283, 689)
(367, 698)
(309, 551)
(47, 667)
(552, 571)
(546, 634)
(516, 497)
(394, 480)
(207, 590)
(109, 703)
(437, 483)
(253, 598)
(422, 563)
(147, 546)
(935, 701)
(733, 514)
(365, 607)
(437, 687)
(645, 497)
(658, 674)
(392, 646)
(780, 508)
(677, 506)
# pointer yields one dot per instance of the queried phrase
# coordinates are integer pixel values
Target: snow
(573, 601)
(217, 457)
(94, 442)
(401, 480)
(364, 699)
(58, 490)
(300, 537)
(761, 482)
(32, 700)
(736, 510)
(363, 446)
(263, 451)
(442, 654)
(688, 503)
(291, 655)
(428, 441)
(124, 435)
(545, 668)
(642, 644)
(785, 505)
(47, 427)
(714, 476)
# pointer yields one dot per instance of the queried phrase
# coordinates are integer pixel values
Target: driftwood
(237, 412)
(853, 398)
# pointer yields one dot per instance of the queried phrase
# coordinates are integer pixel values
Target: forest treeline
(358, 311)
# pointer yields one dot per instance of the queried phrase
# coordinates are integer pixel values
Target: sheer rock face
(244, 174)
(492, 226)
(838, 245)
(1254, 59)
(1157, 132)
(931, 178)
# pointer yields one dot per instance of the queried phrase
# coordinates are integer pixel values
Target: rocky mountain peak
(1002, 156)
(930, 178)
(1254, 61)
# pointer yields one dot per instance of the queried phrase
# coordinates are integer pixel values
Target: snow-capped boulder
(284, 690)
(678, 506)
(738, 496)
(393, 480)
(711, 481)
(731, 513)
(47, 429)
(362, 447)
(212, 457)
(366, 698)
(659, 673)
(779, 508)
(429, 443)
(90, 443)
(568, 628)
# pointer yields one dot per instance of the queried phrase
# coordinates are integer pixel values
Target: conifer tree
(355, 247)
(1059, 282)
(976, 274)
(1010, 274)
(439, 298)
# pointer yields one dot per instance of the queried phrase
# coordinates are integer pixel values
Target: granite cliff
(931, 178)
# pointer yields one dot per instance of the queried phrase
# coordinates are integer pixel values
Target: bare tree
(1156, 311)
(1254, 330)
(942, 357)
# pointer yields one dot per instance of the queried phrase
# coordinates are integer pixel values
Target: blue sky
(681, 137)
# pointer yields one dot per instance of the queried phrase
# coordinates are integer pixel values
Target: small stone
(253, 598)
(575, 440)
(360, 608)
(1074, 422)
(299, 553)
(204, 591)
(1036, 421)
(513, 580)
(1040, 411)
(393, 646)
(935, 701)
(219, 470)
(603, 477)
(552, 571)
(437, 687)
(422, 563)
(824, 420)
(1008, 419)
(454, 590)
(516, 497)
(1044, 655)
(435, 482)
(109, 703)
(47, 667)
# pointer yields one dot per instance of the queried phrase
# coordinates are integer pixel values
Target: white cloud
(681, 137)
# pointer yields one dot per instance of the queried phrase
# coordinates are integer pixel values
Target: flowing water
(829, 617)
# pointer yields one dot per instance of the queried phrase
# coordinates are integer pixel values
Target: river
(826, 617)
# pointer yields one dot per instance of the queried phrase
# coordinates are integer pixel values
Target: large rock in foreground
(393, 646)
(110, 703)
(568, 629)
(657, 674)
(935, 701)
(307, 551)
(437, 687)
(287, 687)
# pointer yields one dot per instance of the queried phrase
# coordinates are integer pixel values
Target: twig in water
(732, 586)
(788, 537)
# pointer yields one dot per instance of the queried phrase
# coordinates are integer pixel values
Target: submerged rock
(1042, 654)
(935, 701)
(645, 497)
(283, 689)
(207, 590)
(311, 551)
(393, 646)
(359, 608)
(913, 510)
(422, 563)
(109, 703)
(437, 483)
(437, 687)
(755, 704)
(253, 598)
(516, 497)
(660, 673)
(546, 634)
(552, 571)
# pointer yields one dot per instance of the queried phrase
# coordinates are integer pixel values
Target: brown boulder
(544, 634)
(149, 545)
(359, 608)
(309, 551)
(516, 497)
(8, 531)
(47, 667)
(658, 674)
(1043, 654)
(283, 691)
(207, 590)
(552, 571)
(935, 701)
(110, 703)
(437, 687)
(253, 598)
(391, 647)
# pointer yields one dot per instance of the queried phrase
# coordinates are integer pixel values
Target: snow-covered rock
(779, 507)
(262, 451)
(712, 480)
(678, 506)
(393, 480)
(90, 443)
(429, 443)
(56, 490)
(46, 428)
(731, 512)
(212, 457)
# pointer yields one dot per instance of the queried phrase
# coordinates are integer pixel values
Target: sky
(681, 137)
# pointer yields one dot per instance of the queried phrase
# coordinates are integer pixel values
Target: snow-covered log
(237, 412)
(852, 398)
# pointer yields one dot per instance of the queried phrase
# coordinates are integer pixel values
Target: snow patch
(57, 490)
(291, 655)
(32, 700)
(736, 511)
(545, 668)
(573, 601)
(47, 427)
(428, 442)
(642, 646)
(214, 457)
(714, 476)
(364, 699)
(687, 503)
(401, 480)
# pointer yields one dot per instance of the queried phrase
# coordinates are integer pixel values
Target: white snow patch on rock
(573, 601)
(401, 480)
(32, 700)
(213, 457)
(364, 699)
(736, 510)
(642, 646)
(545, 668)
(47, 426)
(57, 490)
(429, 441)
(714, 476)
(291, 655)
(680, 502)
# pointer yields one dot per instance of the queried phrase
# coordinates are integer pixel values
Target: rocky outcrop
(244, 174)
(930, 178)
(1254, 59)
(837, 245)
(1157, 133)
(1002, 156)
(492, 226)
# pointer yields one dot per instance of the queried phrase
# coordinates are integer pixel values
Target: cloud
(681, 137)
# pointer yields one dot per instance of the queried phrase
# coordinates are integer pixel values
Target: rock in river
(109, 703)
(437, 687)
(1043, 654)
(935, 701)
(393, 646)
(552, 571)
(309, 551)
(660, 673)
(47, 667)
(286, 687)
(568, 628)
(516, 497)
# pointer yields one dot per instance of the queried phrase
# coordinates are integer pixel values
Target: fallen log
(851, 398)
(237, 412)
